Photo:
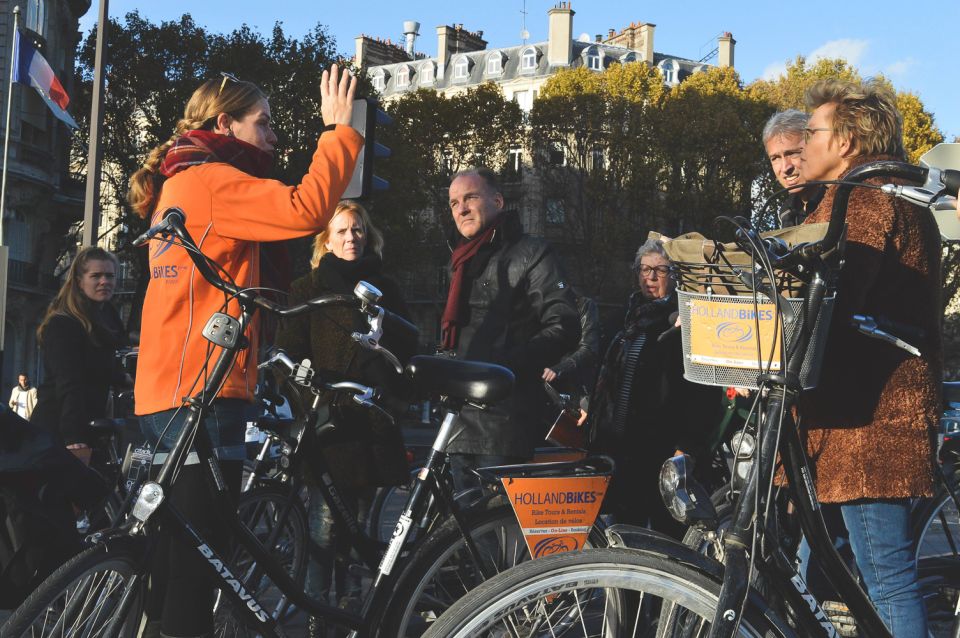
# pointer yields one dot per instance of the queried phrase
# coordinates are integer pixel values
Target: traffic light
(367, 116)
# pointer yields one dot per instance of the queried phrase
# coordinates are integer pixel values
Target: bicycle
(664, 588)
(101, 591)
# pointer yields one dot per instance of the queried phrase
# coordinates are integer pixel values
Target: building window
(494, 64)
(556, 155)
(528, 59)
(556, 214)
(461, 69)
(594, 61)
(426, 74)
(516, 159)
(598, 158)
(629, 57)
(35, 16)
(669, 71)
(403, 77)
(379, 81)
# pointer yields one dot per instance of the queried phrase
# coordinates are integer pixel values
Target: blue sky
(881, 36)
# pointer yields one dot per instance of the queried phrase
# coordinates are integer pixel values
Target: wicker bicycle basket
(731, 333)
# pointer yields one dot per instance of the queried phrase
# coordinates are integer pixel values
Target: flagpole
(6, 131)
(91, 204)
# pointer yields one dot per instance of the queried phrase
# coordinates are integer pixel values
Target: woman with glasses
(643, 411)
(215, 167)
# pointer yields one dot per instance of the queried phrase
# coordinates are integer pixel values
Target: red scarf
(453, 314)
(199, 147)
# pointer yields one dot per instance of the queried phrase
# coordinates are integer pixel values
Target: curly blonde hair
(866, 114)
(226, 95)
(373, 234)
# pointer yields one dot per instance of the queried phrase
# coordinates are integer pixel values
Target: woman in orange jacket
(214, 167)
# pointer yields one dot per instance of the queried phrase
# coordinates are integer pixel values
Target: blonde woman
(215, 168)
(367, 452)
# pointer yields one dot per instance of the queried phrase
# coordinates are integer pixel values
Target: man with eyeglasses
(783, 138)
(871, 422)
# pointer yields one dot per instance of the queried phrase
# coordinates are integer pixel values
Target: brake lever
(301, 373)
(868, 326)
(371, 340)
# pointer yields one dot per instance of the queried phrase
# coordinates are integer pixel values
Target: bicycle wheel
(262, 511)
(441, 569)
(937, 534)
(596, 592)
(98, 592)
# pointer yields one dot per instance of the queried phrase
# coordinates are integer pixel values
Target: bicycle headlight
(743, 444)
(686, 500)
(149, 499)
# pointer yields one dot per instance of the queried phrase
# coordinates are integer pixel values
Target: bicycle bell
(368, 293)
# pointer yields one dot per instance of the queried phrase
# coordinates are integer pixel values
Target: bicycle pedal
(839, 614)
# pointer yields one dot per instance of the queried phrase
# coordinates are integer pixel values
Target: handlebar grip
(951, 179)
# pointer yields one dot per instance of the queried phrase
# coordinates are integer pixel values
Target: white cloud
(774, 71)
(850, 50)
(900, 66)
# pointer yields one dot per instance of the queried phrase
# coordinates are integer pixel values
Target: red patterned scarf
(199, 147)
(454, 313)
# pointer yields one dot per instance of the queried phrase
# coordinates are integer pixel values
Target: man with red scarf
(509, 304)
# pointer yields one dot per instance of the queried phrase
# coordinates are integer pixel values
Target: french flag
(29, 67)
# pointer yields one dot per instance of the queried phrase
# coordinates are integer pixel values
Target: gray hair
(487, 175)
(651, 246)
(789, 122)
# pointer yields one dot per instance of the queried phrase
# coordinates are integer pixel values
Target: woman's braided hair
(233, 97)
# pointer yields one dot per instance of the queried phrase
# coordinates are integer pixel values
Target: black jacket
(78, 372)
(795, 210)
(577, 371)
(522, 315)
(365, 450)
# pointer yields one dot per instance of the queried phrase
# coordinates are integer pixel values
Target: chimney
(358, 56)
(725, 45)
(444, 37)
(646, 42)
(560, 45)
(411, 29)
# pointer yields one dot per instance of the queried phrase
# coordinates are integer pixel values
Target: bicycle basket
(730, 332)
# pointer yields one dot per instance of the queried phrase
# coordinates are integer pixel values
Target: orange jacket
(228, 213)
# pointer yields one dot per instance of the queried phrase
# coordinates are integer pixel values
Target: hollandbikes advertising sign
(556, 514)
(734, 335)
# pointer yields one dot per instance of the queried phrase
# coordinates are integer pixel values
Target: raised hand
(336, 96)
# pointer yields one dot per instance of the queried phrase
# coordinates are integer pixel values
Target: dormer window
(669, 70)
(426, 74)
(593, 59)
(629, 57)
(461, 68)
(528, 59)
(403, 77)
(379, 80)
(495, 64)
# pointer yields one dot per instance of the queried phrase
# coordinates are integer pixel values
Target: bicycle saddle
(951, 392)
(107, 427)
(467, 380)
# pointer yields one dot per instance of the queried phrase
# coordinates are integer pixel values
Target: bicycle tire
(440, 569)
(100, 574)
(936, 526)
(543, 596)
(259, 509)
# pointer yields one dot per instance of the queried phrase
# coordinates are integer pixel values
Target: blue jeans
(225, 423)
(879, 535)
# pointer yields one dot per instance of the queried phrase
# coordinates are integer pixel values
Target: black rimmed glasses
(226, 77)
(647, 272)
(808, 133)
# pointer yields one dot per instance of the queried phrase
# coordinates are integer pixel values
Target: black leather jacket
(577, 371)
(522, 315)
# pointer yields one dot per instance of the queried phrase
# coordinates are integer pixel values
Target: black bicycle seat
(107, 427)
(466, 380)
(951, 391)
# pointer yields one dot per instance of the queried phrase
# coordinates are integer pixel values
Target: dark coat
(78, 371)
(522, 315)
(871, 422)
(577, 371)
(366, 449)
(643, 410)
